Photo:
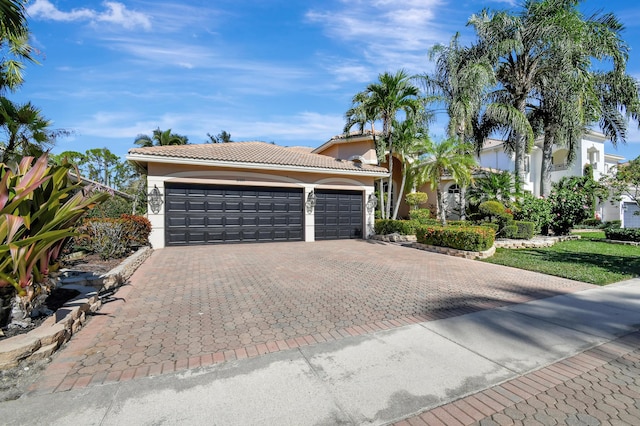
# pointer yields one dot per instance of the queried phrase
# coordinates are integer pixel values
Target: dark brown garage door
(205, 214)
(338, 214)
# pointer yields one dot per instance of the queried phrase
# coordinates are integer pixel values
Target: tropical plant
(160, 138)
(222, 137)
(536, 210)
(27, 132)
(624, 181)
(384, 100)
(39, 206)
(497, 186)
(519, 46)
(571, 200)
(448, 157)
(14, 43)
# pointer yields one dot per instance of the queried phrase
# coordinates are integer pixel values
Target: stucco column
(156, 238)
(309, 215)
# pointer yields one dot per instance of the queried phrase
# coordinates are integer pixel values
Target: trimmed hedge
(423, 217)
(622, 234)
(390, 226)
(471, 238)
(525, 229)
(509, 231)
(591, 222)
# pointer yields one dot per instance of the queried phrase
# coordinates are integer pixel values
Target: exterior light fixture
(311, 202)
(155, 199)
(371, 203)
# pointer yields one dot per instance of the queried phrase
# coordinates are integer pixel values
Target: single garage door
(205, 214)
(338, 214)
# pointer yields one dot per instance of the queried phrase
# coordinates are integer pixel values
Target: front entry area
(213, 214)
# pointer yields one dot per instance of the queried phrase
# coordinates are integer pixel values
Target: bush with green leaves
(612, 224)
(536, 210)
(423, 216)
(591, 222)
(491, 209)
(571, 202)
(470, 238)
(525, 229)
(414, 199)
(390, 226)
(623, 234)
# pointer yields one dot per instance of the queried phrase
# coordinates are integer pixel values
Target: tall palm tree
(384, 100)
(14, 37)
(572, 96)
(26, 129)
(160, 138)
(448, 157)
(519, 46)
(412, 142)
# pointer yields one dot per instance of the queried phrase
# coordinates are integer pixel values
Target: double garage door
(207, 214)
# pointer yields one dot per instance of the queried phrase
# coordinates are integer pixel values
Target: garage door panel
(225, 214)
(338, 214)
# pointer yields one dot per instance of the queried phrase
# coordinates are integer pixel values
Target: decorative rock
(17, 348)
(57, 333)
(44, 352)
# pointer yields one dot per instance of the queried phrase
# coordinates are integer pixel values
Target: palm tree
(222, 137)
(26, 129)
(492, 187)
(161, 138)
(519, 46)
(14, 36)
(384, 100)
(412, 142)
(448, 157)
(572, 96)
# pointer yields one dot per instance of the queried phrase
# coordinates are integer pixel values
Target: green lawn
(589, 259)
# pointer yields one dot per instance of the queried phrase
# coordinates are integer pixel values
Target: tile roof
(259, 153)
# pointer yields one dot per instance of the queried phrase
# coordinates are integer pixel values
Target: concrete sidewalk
(377, 378)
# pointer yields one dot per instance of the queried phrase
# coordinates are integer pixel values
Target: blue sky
(271, 70)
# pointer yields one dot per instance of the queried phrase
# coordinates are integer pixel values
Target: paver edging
(529, 384)
(66, 321)
(455, 252)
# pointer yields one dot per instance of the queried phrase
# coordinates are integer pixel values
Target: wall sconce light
(155, 199)
(372, 202)
(311, 202)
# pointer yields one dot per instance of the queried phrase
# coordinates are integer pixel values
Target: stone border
(455, 252)
(66, 321)
(535, 242)
(624, 243)
(395, 238)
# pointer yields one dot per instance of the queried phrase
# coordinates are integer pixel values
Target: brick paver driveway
(192, 306)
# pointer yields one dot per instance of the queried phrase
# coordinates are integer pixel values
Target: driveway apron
(187, 307)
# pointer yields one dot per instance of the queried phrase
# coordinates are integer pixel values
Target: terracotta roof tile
(253, 152)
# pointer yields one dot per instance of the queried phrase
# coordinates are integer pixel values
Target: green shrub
(622, 234)
(525, 229)
(491, 208)
(471, 238)
(509, 231)
(593, 222)
(536, 210)
(612, 224)
(423, 217)
(491, 225)
(457, 223)
(390, 226)
(571, 202)
(414, 199)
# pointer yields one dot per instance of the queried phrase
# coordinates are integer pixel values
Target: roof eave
(141, 158)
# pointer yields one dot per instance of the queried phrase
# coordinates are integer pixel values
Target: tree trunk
(390, 188)
(400, 194)
(463, 202)
(520, 151)
(545, 170)
(442, 214)
(381, 199)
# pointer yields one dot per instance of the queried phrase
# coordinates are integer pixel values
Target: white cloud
(114, 13)
(385, 31)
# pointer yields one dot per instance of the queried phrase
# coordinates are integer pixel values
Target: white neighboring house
(590, 151)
